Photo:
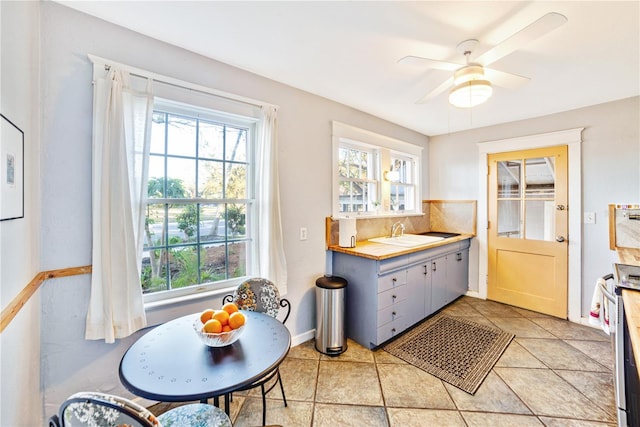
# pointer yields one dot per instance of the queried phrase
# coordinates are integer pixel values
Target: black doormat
(456, 350)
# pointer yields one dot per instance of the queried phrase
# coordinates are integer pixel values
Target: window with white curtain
(199, 216)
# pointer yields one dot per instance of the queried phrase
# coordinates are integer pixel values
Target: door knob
(560, 239)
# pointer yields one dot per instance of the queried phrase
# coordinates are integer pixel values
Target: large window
(374, 175)
(199, 213)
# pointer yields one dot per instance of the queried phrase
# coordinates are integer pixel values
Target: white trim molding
(572, 138)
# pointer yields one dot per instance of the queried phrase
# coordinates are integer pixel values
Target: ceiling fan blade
(437, 91)
(506, 80)
(533, 31)
(418, 61)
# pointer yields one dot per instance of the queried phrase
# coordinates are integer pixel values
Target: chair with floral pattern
(89, 409)
(261, 295)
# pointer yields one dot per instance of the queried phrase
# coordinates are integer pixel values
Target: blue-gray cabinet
(385, 297)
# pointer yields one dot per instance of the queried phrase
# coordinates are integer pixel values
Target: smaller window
(358, 186)
(403, 189)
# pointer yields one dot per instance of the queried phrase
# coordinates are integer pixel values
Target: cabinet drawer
(392, 296)
(393, 312)
(392, 263)
(391, 281)
(391, 329)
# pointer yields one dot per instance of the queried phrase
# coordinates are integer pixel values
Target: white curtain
(121, 129)
(270, 260)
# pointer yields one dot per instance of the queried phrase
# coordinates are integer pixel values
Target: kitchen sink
(407, 240)
(444, 234)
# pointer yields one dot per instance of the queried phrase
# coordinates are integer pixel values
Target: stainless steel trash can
(331, 337)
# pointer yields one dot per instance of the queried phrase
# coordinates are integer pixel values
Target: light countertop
(380, 251)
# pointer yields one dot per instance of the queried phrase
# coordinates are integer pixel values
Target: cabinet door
(419, 296)
(439, 292)
(458, 273)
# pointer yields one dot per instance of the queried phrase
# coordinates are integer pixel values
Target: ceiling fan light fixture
(470, 93)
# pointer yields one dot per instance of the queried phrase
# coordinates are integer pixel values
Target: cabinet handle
(393, 314)
(459, 256)
(433, 266)
(393, 331)
(393, 297)
(394, 280)
(425, 269)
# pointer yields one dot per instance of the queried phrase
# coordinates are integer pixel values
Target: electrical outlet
(589, 217)
(303, 233)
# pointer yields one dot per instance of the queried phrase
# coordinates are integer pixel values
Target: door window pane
(540, 177)
(509, 178)
(509, 218)
(539, 220)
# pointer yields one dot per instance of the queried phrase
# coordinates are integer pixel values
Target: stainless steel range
(627, 382)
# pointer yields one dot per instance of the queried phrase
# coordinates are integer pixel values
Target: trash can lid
(331, 282)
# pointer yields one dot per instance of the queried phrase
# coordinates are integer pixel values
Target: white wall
(69, 362)
(20, 390)
(610, 172)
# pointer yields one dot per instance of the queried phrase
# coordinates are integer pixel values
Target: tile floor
(554, 373)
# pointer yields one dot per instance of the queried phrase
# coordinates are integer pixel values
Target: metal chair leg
(264, 405)
(282, 389)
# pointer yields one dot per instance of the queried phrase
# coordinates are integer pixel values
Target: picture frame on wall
(11, 171)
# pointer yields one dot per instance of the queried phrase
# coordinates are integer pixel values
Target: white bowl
(217, 340)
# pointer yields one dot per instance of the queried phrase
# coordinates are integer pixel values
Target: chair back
(261, 295)
(90, 409)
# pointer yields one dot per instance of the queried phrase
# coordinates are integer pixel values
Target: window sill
(380, 215)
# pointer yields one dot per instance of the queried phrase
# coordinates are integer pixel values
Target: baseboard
(303, 337)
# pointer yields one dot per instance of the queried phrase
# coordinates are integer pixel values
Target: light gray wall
(610, 171)
(69, 362)
(20, 390)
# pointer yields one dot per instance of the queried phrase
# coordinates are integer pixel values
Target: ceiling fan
(471, 83)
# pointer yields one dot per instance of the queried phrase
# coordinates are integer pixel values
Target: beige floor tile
(516, 356)
(568, 330)
(299, 379)
(492, 396)
(461, 308)
(483, 419)
(349, 416)
(410, 417)
(563, 422)
(352, 383)
(492, 309)
(521, 327)
(597, 386)
(306, 350)
(406, 386)
(600, 351)
(295, 414)
(355, 353)
(528, 313)
(547, 394)
(557, 354)
(382, 356)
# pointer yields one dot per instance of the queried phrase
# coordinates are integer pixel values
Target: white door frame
(573, 139)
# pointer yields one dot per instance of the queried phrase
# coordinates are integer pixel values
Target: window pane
(212, 223)
(181, 178)
(509, 218)
(181, 136)
(236, 141)
(236, 220)
(509, 178)
(157, 133)
(236, 181)
(183, 224)
(210, 179)
(237, 259)
(155, 186)
(211, 141)
(539, 220)
(154, 225)
(185, 263)
(540, 177)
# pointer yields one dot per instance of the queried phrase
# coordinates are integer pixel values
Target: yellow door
(528, 224)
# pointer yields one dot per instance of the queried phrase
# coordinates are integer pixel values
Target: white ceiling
(347, 51)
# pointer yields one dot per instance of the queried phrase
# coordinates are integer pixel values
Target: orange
(206, 315)
(230, 307)
(222, 316)
(236, 320)
(212, 326)
(226, 328)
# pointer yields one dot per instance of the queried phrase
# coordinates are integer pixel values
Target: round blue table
(171, 364)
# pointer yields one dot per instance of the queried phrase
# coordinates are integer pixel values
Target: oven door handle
(611, 297)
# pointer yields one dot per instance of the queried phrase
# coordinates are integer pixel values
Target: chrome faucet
(395, 227)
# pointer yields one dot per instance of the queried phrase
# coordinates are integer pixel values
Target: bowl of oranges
(219, 328)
